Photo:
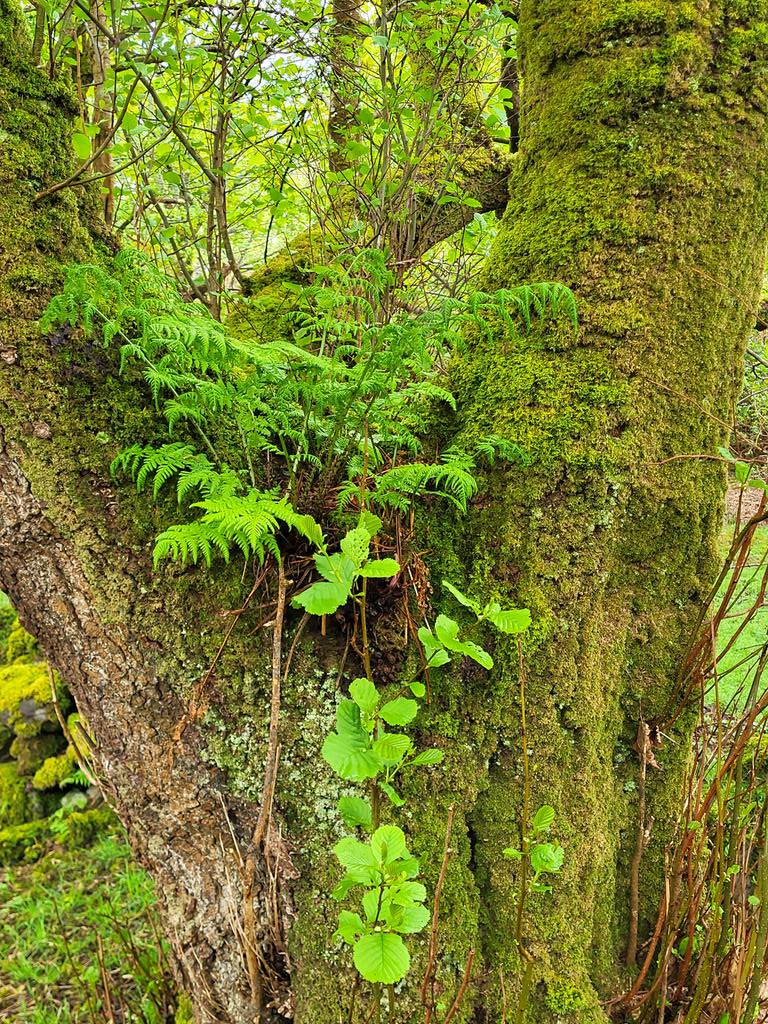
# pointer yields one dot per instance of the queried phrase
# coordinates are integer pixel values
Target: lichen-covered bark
(640, 183)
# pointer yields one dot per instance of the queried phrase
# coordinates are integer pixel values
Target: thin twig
(428, 982)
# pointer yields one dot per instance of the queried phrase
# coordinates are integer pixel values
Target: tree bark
(640, 183)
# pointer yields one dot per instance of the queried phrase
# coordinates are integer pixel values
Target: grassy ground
(78, 941)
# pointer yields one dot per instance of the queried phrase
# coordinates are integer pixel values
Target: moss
(25, 698)
(20, 646)
(184, 1013)
(54, 770)
(84, 827)
(24, 842)
(14, 806)
(32, 751)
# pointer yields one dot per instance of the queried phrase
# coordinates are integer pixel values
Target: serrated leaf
(355, 545)
(356, 812)
(405, 894)
(543, 818)
(348, 750)
(370, 522)
(430, 756)
(409, 920)
(389, 791)
(388, 844)
(547, 857)
(391, 748)
(381, 957)
(364, 694)
(399, 711)
(351, 853)
(350, 926)
(323, 598)
(380, 569)
(509, 620)
(417, 689)
(350, 763)
(462, 598)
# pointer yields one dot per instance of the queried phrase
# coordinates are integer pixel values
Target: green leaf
(388, 844)
(462, 598)
(543, 818)
(356, 544)
(338, 568)
(348, 750)
(430, 756)
(417, 689)
(405, 894)
(410, 920)
(508, 620)
(81, 144)
(447, 632)
(350, 926)
(351, 853)
(356, 812)
(391, 748)
(389, 791)
(364, 694)
(512, 854)
(399, 711)
(370, 522)
(741, 471)
(380, 569)
(381, 957)
(323, 598)
(547, 857)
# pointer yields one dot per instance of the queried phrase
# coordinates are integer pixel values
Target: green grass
(733, 676)
(75, 924)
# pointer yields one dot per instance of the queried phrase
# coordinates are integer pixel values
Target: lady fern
(337, 415)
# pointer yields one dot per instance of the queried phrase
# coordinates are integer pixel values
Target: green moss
(32, 751)
(24, 842)
(184, 1013)
(14, 806)
(54, 770)
(25, 698)
(84, 827)
(20, 646)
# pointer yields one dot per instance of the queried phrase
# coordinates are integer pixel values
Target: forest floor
(79, 942)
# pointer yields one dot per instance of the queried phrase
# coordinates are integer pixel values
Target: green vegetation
(79, 940)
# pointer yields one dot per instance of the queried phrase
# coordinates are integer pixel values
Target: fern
(339, 412)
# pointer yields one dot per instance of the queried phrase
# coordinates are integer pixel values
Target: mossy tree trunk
(640, 183)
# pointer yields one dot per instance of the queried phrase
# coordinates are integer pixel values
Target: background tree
(640, 184)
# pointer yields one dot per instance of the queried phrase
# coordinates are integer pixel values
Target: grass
(733, 670)
(79, 943)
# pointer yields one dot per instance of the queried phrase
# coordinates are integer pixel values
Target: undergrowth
(79, 943)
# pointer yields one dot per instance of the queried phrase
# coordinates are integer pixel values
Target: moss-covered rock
(26, 707)
(84, 827)
(54, 770)
(14, 805)
(31, 752)
(24, 842)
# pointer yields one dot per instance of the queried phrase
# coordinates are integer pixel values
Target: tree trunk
(640, 183)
